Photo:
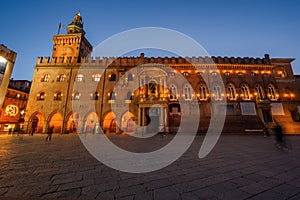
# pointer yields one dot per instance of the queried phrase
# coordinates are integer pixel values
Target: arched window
(271, 92)
(129, 96)
(112, 77)
(231, 92)
(61, 78)
(173, 92)
(96, 77)
(187, 92)
(112, 96)
(95, 96)
(45, 78)
(41, 96)
(58, 96)
(245, 92)
(202, 92)
(217, 92)
(152, 87)
(79, 78)
(76, 96)
(130, 77)
(259, 92)
(185, 74)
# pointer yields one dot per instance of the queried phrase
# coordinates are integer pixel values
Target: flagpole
(59, 27)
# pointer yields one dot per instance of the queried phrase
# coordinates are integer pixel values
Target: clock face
(68, 50)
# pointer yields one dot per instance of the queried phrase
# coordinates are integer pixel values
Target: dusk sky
(223, 28)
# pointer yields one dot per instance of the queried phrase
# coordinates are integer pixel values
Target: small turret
(76, 26)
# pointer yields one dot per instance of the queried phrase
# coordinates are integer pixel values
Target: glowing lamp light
(292, 95)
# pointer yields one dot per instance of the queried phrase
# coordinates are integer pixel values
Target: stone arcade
(259, 91)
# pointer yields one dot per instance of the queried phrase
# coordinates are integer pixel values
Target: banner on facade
(248, 108)
(277, 109)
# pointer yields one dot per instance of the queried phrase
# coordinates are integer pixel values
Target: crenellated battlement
(134, 61)
(7, 53)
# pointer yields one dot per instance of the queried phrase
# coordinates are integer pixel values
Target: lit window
(217, 92)
(130, 77)
(95, 96)
(185, 74)
(129, 96)
(112, 96)
(76, 96)
(202, 92)
(58, 96)
(112, 77)
(173, 92)
(227, 73)
(231, 92)
(187, 93)
(79, 78)
(271, 92)
(240, 74)
(245, 92)
(214, 73)
(61, 78)
(259, 92)
(45, 78)
(200, 73)
(96, 77)
(41, 96)
(253, 74)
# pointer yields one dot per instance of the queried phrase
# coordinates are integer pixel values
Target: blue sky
(223, 28)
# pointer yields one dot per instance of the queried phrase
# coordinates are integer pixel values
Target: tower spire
(76, 26)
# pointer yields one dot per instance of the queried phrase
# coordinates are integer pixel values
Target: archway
(56, 120)
(91, 124)
(73, 123)
(109, 123)
(36, 122)
(127, 122)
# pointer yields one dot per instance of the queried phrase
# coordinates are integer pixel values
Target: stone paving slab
(239, 167)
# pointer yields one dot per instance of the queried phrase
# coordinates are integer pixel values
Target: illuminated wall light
(292, 95)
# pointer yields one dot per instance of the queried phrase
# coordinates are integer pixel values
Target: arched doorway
(127, 122)
(56, 120)
(109, 123)
(36, 122)
(73, 123)
(91, 124)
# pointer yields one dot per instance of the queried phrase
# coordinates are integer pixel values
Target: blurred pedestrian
(49, 133)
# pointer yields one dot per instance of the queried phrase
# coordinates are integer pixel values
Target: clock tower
(72, 44)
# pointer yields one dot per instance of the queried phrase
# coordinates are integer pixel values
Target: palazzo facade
(74, 91)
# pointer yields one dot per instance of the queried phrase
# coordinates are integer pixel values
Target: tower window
(79, 78)
(112, 77)
(45, 78)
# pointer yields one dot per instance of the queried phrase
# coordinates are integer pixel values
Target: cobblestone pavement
(239, 167)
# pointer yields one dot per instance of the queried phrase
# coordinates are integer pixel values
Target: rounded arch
(36, 122)
(55, 119)
(127, 122)
(91, 123)
(73, 122)
(245, 91)
(109, 122)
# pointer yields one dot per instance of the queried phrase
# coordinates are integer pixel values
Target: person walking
(49, 133)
